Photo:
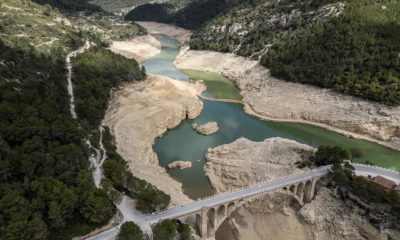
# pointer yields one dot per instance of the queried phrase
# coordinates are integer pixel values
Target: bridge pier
(309, 190)
(208, 219)
(203, 231)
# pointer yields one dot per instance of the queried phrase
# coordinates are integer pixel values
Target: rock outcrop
(330, 216)
(180, 165)
(278, 215)
(206, 129)
(142, 111)
(245, 162)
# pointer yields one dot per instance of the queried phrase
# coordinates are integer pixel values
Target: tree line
(71, 6)
(44, 177)
(356, 53)
(343, 174)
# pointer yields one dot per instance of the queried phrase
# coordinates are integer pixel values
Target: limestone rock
(206, 129)
(180, 164)
(245, 162)
(330, 216)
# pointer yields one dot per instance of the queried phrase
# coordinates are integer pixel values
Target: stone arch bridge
(209, 213)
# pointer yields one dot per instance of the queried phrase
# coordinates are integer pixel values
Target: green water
(183, 143)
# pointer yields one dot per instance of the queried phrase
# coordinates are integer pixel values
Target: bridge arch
(198, 223)
(293, 189)
(231, 207)
(221, 213)
(300, 190)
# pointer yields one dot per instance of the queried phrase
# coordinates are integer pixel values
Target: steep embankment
(244, 162)
(140, 112)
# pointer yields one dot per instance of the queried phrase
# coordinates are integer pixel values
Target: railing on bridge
(258, 189)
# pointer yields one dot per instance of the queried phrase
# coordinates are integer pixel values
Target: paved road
(360, 169)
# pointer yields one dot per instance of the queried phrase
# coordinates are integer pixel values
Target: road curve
(249, 191)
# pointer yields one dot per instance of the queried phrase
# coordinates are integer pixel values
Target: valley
(100, 116)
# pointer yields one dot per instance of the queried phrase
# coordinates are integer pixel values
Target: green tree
(165, 230)
(326, 155)
(130, 231)
(97, 208)
(184, 232)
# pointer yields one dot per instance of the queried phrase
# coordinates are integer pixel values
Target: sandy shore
(141, 48)
(268, 98)
(140, 112)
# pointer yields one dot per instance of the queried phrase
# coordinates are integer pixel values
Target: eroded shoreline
(140, 48)
(142, 111)
(271, 99)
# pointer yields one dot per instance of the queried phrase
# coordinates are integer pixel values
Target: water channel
(183, 143)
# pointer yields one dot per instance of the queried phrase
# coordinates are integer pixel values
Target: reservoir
(184, 143)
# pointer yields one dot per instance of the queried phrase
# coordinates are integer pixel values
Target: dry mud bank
(180, 34)
(269, 98)
(140, 112)
(141, 48)
(277, 215)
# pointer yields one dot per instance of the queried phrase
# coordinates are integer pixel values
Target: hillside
(190, 14)
(46, 184)
(26, 24)
(352, 47)
(119, 6)
(71, 6)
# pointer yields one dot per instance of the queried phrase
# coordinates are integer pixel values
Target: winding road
(145, 221)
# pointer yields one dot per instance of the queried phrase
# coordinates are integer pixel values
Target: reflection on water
(183, 143)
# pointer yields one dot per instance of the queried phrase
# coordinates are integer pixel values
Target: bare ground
(180, 34)
(140, 112)
(275, 215)
(141, 48)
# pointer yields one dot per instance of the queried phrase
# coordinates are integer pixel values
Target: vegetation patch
(118, 177)
(167, 230)
(130, 231)
(356, 53)
(95, 72)
(351, 47)
(44, 177)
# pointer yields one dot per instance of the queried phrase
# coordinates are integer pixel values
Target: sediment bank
(140, 112)
(141, 48)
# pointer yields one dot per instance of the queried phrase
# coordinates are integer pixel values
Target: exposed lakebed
(183, 143)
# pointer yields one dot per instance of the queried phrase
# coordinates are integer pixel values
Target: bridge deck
(246, 192)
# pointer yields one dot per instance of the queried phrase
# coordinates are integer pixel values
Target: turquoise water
(183, 143)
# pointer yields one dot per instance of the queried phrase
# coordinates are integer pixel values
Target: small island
(180, 164)
(206, 129)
